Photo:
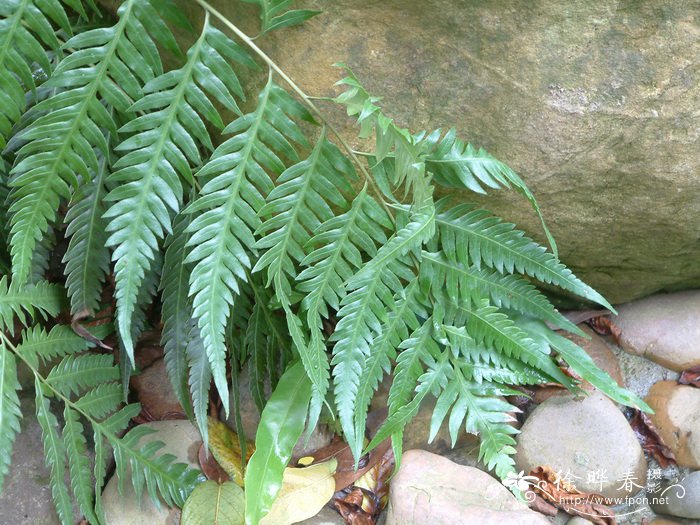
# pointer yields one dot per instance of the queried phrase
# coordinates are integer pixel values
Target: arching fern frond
(41, 298)
(275, 14)
(87, 256)
(163, 149)
(10, 412)
(475, 237)
(107, 66)
(226, 213)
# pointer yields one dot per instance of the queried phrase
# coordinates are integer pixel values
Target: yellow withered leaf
(224, 445)
(303, 494)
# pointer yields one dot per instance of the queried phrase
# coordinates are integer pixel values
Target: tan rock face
(589, 439)
(593, 103)
(431, 489)
(677, 418)
(663, 328)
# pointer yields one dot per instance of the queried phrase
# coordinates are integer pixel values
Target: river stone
(431, 489)
(682, 502)
(182, 439)
(587, 438)
(677, 418)
(663, 328)
(594, 104)
(578, 520)
(155, 392)
(327, 516)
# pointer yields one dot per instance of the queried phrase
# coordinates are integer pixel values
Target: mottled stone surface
(588, 438)
(683, 499)
(429, 489)
(593, 103)
(677, 418)
(26, 495)
(663, 328)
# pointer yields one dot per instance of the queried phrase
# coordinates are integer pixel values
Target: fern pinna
(264, 237)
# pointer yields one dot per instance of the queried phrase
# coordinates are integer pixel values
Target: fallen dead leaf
(346, 474)
(690, 377)
(651, 441)
(226, 448)
(210, 467)
(304, 492)
(565, 496)
(603, 325)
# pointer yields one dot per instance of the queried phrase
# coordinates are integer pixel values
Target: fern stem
(308, 100)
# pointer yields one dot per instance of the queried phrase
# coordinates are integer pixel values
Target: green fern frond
(275, 14)
(458, 165)
(163, 149)
(87, 256)
(10, 412)
(107, 65)
(38, 345)
(486, 416)
(79, 372)
(100, 401)
(470, 284)
(236, 183)
(199, 379)
(340, 244)
(27, 33)
(475, 237)
(296, 207)
(488, 326)
(78, 463)
(41, 299)
(159, 474)
(400, 323)
(177, 309)
(54, 454)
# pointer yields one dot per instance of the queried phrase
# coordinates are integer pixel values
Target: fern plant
(267, 242)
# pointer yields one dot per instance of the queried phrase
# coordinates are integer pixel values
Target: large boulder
(593, 103)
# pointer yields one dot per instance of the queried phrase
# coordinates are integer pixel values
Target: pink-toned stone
(429, 489)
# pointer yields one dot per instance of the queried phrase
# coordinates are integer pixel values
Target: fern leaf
(275, 14)
(226, 211)
(26, 31)
(298, 206)
(474, 237)
(400, 322)
(78, 372)
(493, 328)
(199, 379)
(161, 151)
(458, 165)
(38, 345)
(507, 291)
(43, 299)
(10, 412)
(78, 462)
(177, 309)
(55, 456)
(87, 257)
(100, 401)
(62, 141)
(158, 473)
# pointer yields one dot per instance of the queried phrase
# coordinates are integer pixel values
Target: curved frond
(39, 345)
(475, 237)
(470, 284)
(79, 372)
(161, 151)
(226, 214)
(87, 256)
(41, 298)
(10, 412)
(108, 65)
(78, 463)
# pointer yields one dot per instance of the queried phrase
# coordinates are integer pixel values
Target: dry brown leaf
(690, 377)
(346, 474)
(650, 439)
(565, 496)
(603, 325)
(210, 467)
